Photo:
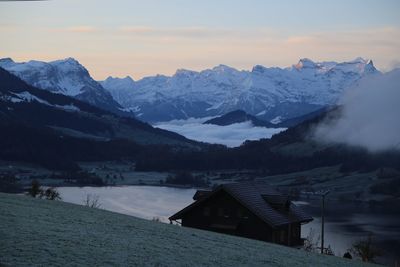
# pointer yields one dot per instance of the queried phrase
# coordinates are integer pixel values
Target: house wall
(222, 210)
(289, 235)
(222, 213)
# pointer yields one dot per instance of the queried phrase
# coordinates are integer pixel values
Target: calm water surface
(145, 202)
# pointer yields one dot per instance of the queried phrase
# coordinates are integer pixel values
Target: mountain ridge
(67, 77)
(270, 94)
(266, 93)
(238, 116)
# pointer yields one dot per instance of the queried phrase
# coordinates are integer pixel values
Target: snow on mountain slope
(123, 88)
(264, 92)
(28, 97)
(66, 77)
(26, 107)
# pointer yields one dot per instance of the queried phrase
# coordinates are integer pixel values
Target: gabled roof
(200, 194)
(255, 197)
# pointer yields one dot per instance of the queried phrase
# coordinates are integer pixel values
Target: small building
(250, 209)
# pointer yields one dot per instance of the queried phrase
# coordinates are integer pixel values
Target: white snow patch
(276, 120)
(70, 107)
(261, 113)
(216, 106)
(132, 109)
(28, 97)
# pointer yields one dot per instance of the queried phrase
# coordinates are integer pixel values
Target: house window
(206, 211)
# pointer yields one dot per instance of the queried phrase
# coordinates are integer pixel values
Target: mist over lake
(231, 135)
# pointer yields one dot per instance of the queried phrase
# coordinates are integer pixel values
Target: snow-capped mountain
(122, 87)
(23, 105)
(267, 93)
(66, 77)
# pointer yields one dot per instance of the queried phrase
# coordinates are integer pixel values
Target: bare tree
(92, 201)
(366, 250)
(311, 241)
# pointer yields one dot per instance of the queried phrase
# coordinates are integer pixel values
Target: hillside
(292, 150)
(41, 233)
(32, 106)
(43, 127)
(239, 116)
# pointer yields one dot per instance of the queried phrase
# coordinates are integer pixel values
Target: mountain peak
(360, 60)
(358, 65)
(258, 69)
(68, 60)
(70, 65)
(127, 78)
(184, 72)
(6, 60)
(305, 63)
(370, 68)
(223, 68)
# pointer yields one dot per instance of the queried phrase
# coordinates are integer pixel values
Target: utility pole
(322, 194)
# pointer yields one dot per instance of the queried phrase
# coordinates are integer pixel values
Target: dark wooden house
(251, 209)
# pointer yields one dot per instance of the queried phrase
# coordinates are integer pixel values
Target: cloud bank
(370, 115)
(232, 135)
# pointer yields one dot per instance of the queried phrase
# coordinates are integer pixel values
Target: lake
(145, 202)
(345, 222)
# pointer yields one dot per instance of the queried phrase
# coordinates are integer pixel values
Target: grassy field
(343, 186)
(46, 233)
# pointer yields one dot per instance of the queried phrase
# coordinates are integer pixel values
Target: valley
(199, 133)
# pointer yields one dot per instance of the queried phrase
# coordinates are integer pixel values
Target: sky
(144, 38)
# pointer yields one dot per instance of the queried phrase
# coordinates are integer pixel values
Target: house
(250, 209)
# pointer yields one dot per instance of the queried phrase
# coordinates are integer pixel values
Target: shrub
(37, 191)
(366, 250)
